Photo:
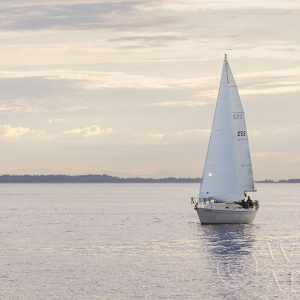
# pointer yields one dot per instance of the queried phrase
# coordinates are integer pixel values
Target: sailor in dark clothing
(249, 202)
(242, 203)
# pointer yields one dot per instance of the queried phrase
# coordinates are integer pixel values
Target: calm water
(143, 241)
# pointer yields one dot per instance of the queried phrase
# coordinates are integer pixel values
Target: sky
(128, 88)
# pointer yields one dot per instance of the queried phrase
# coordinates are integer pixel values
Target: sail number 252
(241, 133)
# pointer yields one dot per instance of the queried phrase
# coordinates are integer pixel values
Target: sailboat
(227, 175)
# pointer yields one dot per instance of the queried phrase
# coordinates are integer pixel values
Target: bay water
(143, 241)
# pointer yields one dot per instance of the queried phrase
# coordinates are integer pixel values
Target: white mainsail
(227, 171)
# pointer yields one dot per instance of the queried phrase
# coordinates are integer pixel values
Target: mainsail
(241, 132)
(227, 172)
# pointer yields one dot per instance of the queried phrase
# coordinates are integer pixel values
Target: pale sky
(128, 88)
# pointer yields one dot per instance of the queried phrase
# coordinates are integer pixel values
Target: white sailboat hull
(222, 213)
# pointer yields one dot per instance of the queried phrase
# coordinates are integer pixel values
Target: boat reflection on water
(231, 250)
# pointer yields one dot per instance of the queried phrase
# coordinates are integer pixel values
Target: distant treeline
(290, 181)
(294, 180)
(90, 179)
(107, 179)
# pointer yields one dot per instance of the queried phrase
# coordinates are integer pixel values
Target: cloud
(69, 92)
(166, 4)
(122, 80)
(191, 5)
(276, 133)
(265, 82)
(62, 15)
(147, 40)
(134, 15)
(154, 138)
(89, 80)
(193, 132)
(10, 133)
(169, 138)
(61, 81)
(188, 103)
(17, 106)
(89, 131)
(133, 30)
(57, 120)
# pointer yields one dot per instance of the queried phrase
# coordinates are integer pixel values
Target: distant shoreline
(109, 179)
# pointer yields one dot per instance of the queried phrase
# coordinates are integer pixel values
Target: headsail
(227, 172)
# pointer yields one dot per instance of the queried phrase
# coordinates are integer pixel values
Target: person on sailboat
(249, 202)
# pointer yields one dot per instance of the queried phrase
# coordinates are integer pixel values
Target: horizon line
(113, 178)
